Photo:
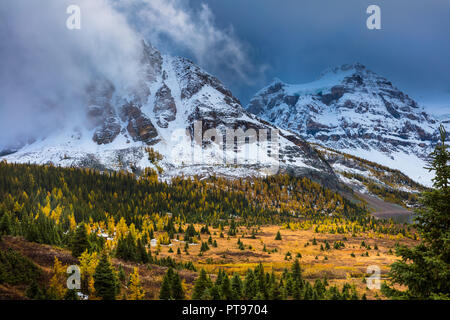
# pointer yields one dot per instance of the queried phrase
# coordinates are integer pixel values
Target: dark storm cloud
(300, 38)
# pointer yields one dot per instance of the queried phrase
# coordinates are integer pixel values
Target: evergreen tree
(220, 276)
(250, 286)
(177, 288)
(425, 269)
(71, 295)
(296, 271)
(105, 282)
(5, 224)
(121, 274)
(278, 236)
(128, 250)
(201, 284)
(165, 292)
(308, 292)
(204, 247)
(212, 293)
(34, 292)
(143, 256)
(80, 241)
(275, 292)
(319, 288)
(236, 287)
(225, 288)
(261, 280)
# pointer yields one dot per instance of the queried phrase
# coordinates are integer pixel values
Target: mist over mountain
(47, 67)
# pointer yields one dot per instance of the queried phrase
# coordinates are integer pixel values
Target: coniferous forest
(215, 238)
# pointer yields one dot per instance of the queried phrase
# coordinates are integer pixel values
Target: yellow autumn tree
(58, 285)
(88, 263)
(136, 292)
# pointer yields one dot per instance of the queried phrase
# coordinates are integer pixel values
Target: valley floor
(347, 264)
(386, 210)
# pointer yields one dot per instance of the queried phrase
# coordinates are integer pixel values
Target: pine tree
(319, 288)
(177, 287)
(121, 273)
(278, 236)
(297, 280)
(204, 247)
(128, 250)
(201, 284)
(80, 241)
(236, 287)
(212, 293)
(220, 276)
(165, 292)
(296, 271)
(275, 292)
(225, 288)
(250, 286)
(143, 256)
(5, 224)
(34, 292)
(105, 282)
(71, 295)
(425, 269)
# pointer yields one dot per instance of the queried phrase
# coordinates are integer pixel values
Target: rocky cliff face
(163, 108)
(353, 109)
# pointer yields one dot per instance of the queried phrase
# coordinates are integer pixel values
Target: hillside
(188, 224)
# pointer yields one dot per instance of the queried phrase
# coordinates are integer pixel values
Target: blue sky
(295, 40)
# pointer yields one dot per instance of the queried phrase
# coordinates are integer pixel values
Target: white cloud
(218, 50)
(46, 67)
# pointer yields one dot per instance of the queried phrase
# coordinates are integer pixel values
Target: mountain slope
(174, 106)
(352, 109)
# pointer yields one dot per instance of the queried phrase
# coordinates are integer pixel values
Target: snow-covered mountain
(354, 110)
(171, 101)
(445, 120)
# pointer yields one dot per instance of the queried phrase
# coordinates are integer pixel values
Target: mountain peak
(354, 109)
(276, 80)
(171, 104)
(354, 68)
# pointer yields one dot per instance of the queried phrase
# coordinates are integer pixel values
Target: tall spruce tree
(425, 269)
(201, 284)
(236, 287)
(177, 287)
(80, 241)
(105, 282)
(225, 288)
(165, 292)
(250, 285)
(127, 249)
